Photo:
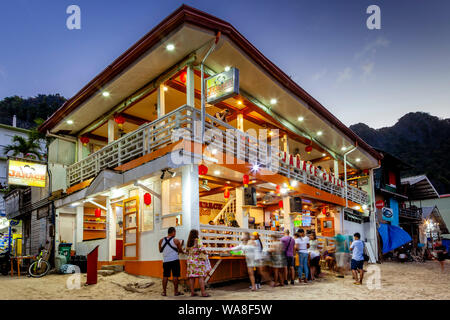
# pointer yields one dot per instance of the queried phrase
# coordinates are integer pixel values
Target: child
(357, 263)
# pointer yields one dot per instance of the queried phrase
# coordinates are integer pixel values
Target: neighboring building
(6, 135)
(124, 149)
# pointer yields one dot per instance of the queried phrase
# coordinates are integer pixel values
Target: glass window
(172, 202)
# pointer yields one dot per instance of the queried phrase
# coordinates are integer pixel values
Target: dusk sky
(360, 75)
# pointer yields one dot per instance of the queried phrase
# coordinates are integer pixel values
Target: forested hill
(419, 139)
(29, 109)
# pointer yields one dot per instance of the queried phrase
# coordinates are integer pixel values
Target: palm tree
(24, 147)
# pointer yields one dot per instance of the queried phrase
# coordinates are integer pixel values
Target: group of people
(197, 262)
(274, 264)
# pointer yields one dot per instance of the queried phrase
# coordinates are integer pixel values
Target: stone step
(113, 267)
(106, 273)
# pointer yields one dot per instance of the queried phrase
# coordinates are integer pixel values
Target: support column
(111, 129)
(285, 143)
(190, 198)
(241, 212)
(79, 225)
(240, 121)
(373, 214)
(336, 168)
(110, 231)
(161, 101)
(190, 86)
(288, 222)
(79, 150)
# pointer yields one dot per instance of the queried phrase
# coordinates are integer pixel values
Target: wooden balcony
(159, 134)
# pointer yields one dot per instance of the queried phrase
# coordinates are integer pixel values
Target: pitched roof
(192, 16)
(420, 187)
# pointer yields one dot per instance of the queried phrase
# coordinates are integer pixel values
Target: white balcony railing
(158, 134)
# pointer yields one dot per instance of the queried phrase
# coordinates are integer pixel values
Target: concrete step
(106, 273)
(113, 267)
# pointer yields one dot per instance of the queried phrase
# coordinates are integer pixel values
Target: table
(18, 259)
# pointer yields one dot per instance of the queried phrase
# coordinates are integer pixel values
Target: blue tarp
(393, 237)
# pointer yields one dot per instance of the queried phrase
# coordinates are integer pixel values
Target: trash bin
(81, 262)
(64, 249)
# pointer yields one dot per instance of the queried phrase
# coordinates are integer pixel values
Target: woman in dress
(278, 260)
(248, 247)
(197, 264)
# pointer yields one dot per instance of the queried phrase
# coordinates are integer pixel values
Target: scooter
(5, 262)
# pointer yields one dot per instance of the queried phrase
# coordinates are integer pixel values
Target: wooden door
(130, 227)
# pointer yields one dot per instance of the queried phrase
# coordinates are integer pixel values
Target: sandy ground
(398, 281)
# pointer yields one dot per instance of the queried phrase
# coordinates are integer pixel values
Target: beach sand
(398, 281)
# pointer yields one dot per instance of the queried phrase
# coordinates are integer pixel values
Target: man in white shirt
(301, 246)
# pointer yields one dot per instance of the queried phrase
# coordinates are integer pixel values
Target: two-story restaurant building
(135, 154)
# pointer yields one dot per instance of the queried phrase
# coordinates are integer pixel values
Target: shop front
(251, 156)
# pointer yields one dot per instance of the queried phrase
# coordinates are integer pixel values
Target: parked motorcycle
(5, 263)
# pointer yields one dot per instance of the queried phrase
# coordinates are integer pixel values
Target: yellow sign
(222, 86)
(26, 173)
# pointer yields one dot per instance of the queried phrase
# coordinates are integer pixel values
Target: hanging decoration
(308, 149)
(245, 180)
(280, 204)
(226, 193)
(278, 189)
(84, 140)
(202, 170)
(147, 199)
(183, 76)
(120, 120)
(98, 212)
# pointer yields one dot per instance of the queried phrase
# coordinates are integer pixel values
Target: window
(172, 202)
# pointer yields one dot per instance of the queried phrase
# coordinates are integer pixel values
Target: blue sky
(360, 75)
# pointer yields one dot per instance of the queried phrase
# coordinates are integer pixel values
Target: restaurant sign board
(26, 173)
(222, 86)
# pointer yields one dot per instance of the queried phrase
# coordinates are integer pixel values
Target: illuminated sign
(26, 173)
(222, 86)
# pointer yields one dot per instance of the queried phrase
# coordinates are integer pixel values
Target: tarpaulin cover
(393, 237)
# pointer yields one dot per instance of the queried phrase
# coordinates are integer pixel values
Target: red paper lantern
(278, 189)
(147, 199)
(308, 149)
(84, 140)
(98, 212)
(280, 204)
(120, 120)
(202, 170)
(183, 76)
(245, 180)
(226, 193)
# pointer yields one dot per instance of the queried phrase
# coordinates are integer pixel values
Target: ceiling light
(239, 102)
(344, 148)
(214, 151)
(364, 206)
(227, 68)
(170, 47)
(300, 119)
(75, 204)
(228, 182)
(216, 172)
(69, 121)
(165, 88)
(270, 133)
(323, 154)
(255, 167)
(105, 93)
(273, 101)
(294, 183)
(319, 133)
(358, 159)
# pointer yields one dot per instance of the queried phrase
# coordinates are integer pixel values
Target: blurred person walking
(301, 246)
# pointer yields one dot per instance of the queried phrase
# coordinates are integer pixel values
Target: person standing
(314, 256)
(357, 263)
(288, 246)
(170, 247)
(441, 252)
(248, 247)
(197, 266)
(341, 254)
(301, 246)
(278, 259)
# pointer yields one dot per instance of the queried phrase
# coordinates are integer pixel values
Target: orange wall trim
(229, 269)
(79, 186)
